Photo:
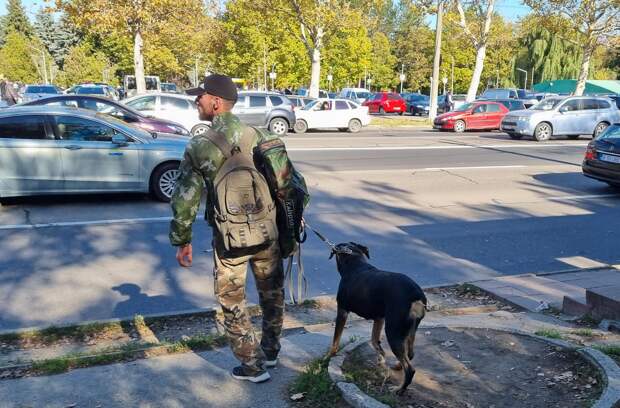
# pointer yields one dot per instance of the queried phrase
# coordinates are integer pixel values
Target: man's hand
(184, 255)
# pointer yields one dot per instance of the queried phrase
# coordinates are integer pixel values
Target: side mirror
(563, 109)
(119, 140)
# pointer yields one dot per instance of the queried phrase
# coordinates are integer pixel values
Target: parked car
(569, 116)
(98, 90)
(265, 109)
(116, 109)
(477, 115)
(82, 151)
(386, 102)
(616, 99)
(417, 104)
(343, 114)
(511, 104)
(299, 101)
(171, 107)
(358, 95)
(306, 92)
(32, 92)
(458, 100)
(523, 95)
(602, 158)
(169, 87)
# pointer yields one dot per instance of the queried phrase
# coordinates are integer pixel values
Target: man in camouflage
(202, 160)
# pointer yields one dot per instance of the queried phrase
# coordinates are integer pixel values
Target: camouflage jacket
(201, 162)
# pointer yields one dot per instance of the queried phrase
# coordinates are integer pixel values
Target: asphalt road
(439, 207)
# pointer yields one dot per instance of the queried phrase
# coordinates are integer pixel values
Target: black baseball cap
(216, 85)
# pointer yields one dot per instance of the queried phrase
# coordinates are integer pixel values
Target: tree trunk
(138, 63)
(588, 50)
(316, 73)
(475, 79)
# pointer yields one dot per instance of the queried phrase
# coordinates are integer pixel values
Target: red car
(474, 115)
(386, 102)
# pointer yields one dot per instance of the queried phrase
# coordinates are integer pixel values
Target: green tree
(382, 62)
(17, 20)
(57, 36)
(137, 19)
(82, 64)
(2, 30)
(592, 21)
(18, 62)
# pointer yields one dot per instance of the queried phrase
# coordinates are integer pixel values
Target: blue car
(417, 104)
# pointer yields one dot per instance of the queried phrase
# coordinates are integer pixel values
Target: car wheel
(343, 129)
(459, 126)
(199, 129)
(515, 136)
(278, 126)
(599, 129)
(355, 125)
(300, 126)
(543, 132)
(412, 111)
(572, 137)
(381, 110)
(163, 181)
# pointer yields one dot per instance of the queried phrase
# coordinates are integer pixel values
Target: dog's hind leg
(341, 319)
(416, 313)
(398, 343)
(377, 327)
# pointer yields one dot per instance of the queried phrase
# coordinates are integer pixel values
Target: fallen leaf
(298, 396)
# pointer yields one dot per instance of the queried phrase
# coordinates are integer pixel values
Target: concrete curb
(610, 371)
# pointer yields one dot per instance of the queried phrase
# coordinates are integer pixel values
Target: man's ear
(364, 250)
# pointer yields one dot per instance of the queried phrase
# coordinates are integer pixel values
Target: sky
(510, 9)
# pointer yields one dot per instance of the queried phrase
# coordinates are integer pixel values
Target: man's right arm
(185, 199)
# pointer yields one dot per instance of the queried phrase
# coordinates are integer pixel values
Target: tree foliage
(16, 19)
(18, 61)
(82, 64)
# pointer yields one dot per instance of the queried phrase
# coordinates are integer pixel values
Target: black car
(113, 108)
(602, 160)
(511, 104)
(417, 104)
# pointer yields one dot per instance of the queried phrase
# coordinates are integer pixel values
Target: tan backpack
(243, 210)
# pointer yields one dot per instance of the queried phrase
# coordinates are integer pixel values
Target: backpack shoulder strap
(220, 141)
(248, 137)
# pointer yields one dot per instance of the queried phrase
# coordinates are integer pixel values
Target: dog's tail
(417, 311)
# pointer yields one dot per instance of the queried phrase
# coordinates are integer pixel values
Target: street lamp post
(272, 75)
(445, 82)
(330, 78)
(522, 70)
(402, 76)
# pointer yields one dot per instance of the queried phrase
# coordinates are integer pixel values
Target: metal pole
(44, 66)
(196, 73)
(435, 79)
(452, 76)
(402, 72)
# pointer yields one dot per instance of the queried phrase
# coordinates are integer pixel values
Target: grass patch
(54, 334)
(549, 333)
(469, 289)
(583, 332)
(315, 383)
(399, 121)
(610, 350)
(126, 352)
(310, 304)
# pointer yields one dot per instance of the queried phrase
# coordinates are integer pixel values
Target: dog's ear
(364, 250)
(332, 254)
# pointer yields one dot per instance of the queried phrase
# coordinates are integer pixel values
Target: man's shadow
(141, 303)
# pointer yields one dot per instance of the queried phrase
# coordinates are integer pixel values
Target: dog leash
(302, 282)
(329, 243)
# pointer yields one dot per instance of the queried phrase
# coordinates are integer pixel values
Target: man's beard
(202, 115)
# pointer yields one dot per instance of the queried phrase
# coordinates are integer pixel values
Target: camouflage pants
(229, 278)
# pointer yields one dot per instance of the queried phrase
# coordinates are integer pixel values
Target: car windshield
(495, 94)
(41, 89)
(546, 104)
(127, 127)
(90, 90)
(363, 95)
(612, 132)
(464, 108)
(310, 105)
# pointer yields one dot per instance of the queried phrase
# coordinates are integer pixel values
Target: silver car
(64, 150)
(571, 116)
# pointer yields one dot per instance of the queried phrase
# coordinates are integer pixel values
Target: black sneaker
(246, 374)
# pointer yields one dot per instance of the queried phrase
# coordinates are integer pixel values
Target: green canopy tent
(567, 86)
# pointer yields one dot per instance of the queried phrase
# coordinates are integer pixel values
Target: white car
(332, 113)
(178, 108)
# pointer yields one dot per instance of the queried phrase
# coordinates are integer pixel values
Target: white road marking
(166, 219)
(493, 146)
(414, 170)
(85, 223)
(471, 168)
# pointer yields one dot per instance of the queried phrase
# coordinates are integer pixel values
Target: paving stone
(575, 307)
(605, 302)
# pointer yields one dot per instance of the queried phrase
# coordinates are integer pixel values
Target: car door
(494, 116)
(240, 107)
(565, 120)
(589, 116)
(477, 118)
(256, 111)
(341, 114)
(178, 110)
(29, 156)
(146, 104)
(91, 161)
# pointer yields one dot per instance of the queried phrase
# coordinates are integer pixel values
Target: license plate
(507, 128)
(609, 158)
(397, 108)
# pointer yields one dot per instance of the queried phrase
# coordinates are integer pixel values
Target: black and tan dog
(387, 298)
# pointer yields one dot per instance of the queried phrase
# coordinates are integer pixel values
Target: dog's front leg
(377, 327)
(341, 319)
